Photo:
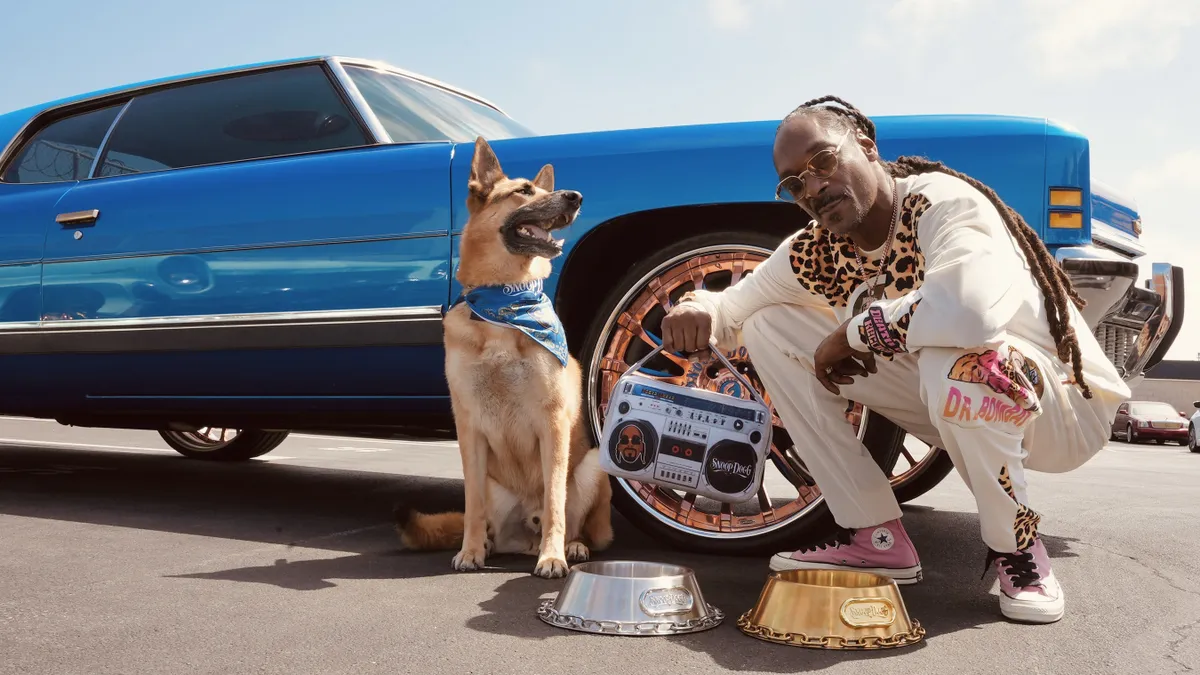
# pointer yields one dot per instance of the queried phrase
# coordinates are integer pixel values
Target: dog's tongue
(538, 232)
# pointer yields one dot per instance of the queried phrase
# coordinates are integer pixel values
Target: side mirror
(1196, 403)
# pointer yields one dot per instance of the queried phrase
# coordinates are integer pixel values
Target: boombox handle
(712, 346)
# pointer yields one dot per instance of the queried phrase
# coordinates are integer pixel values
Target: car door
(44, 162)
(1122, 417)
(244, 237)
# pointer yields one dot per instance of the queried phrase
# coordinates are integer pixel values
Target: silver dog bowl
(625, 597)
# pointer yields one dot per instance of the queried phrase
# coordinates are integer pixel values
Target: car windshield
(1153, 410)
(414, 111)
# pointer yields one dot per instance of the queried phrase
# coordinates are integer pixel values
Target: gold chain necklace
(883, 260)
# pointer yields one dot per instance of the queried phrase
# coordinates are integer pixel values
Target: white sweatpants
(965, 401)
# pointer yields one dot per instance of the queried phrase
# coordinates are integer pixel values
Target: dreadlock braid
(1056, 286)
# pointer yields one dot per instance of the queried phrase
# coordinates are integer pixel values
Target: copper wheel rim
(624, 340)
(906, 457)
(631, 331)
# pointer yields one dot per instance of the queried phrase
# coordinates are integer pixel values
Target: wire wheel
(223, 444)
(789, 495)
(207, 439)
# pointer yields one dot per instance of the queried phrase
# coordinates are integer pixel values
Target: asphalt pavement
(119, 556)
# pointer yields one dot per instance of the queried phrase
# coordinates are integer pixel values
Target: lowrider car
(231, 255)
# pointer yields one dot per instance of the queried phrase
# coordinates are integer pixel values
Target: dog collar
(523, 307)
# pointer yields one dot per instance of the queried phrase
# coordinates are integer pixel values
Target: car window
(414, 111)
(63, 150)
(253, 116)
(1153, 410)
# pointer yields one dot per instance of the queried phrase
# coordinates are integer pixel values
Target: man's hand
(687, 328)
(835, 361)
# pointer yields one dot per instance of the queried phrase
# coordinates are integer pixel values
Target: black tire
(929, 476)
(881, 436)
(1129, 434)
(246, 445)
(1192, 443)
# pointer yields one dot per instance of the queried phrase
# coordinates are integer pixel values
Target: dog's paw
(577, 551)
(468, 561)
(551, 568)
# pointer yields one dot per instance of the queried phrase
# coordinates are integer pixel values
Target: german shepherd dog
(532, 480)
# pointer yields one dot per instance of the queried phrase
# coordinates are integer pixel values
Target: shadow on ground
(349, 512)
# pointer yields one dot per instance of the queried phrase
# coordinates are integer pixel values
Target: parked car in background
(1193, 426)
(230, 255)
(1139, 421)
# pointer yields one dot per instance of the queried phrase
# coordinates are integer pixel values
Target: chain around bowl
(835, 642)
(547, 613)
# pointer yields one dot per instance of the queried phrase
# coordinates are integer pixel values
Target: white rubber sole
(1027, 611)
(902, 575)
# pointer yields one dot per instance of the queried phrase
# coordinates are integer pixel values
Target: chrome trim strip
(424, 234)
(100, 150)
(358, 101)
(133, 91)
(1111, 236)
(1162, 283)
(211, 320)
(1088, 252)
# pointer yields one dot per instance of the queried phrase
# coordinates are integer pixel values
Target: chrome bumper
(1135, 326)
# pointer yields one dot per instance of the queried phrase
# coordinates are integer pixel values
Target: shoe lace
(843, 537)
(1018, 566)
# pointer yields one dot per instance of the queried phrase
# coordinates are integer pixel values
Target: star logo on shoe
(882, 539)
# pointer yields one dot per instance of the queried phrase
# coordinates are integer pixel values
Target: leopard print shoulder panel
(825, 265)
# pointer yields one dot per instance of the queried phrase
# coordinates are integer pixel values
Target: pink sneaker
(884, 549)
(1028, 590)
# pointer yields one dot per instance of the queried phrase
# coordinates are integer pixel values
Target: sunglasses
(822, 165)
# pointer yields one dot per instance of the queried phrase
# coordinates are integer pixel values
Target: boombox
(685, 438)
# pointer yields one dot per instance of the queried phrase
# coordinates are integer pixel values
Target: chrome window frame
(335, 70)
(358, 108)
(102, 149)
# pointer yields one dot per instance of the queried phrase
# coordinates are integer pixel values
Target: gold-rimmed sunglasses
(822, 165)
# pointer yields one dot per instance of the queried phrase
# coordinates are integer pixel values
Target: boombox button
(624, 407)
(737, 424)
(755, 437)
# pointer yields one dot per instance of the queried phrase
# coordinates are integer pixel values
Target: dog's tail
(428, 531)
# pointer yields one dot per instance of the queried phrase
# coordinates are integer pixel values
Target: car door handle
(78, 217)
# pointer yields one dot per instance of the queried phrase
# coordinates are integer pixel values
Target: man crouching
(922, 281)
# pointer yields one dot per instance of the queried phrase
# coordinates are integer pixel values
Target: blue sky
(1115, 69)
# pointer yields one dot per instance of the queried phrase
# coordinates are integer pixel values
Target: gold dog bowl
(826, 609)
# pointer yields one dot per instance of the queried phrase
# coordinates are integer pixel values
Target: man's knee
(985, 387)
(789, 329)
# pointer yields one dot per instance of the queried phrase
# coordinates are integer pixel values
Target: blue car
(231, 255)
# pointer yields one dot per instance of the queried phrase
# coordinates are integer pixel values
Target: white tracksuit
(965, 356)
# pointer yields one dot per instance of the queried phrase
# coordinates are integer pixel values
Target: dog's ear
(545, 178)
(485, 170)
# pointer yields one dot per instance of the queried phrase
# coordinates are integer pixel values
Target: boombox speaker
(686, 438)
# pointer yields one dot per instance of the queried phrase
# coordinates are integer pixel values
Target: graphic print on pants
(1026, 521)
(1000, 375)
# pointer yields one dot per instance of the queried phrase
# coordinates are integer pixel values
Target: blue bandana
(523, 307)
